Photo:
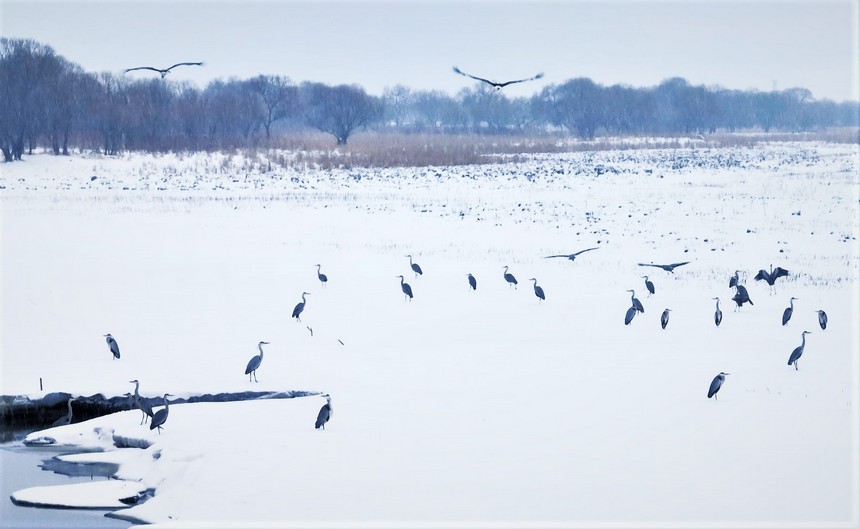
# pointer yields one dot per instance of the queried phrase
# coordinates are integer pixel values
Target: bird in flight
(498, 86)
(166, 70)
(668, 267)
(571, 256)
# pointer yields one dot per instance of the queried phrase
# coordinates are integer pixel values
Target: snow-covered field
(459, 408)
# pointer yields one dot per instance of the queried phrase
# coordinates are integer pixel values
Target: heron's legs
(255, 376)
(795, 365)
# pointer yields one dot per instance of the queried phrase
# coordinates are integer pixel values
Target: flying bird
(572, 256)
(716, 384)
(114, 347)
(498, 86)
(668, 267)
(166, 70)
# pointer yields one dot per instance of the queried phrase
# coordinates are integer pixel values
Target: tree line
(48, 101)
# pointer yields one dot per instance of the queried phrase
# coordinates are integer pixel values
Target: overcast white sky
(760, 44)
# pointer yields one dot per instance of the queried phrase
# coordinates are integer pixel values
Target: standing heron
(407, 290)
(664, 318)
(741, 296)
(798, 351)
(497, 86)
(165, 71)
(141, 403)
(114, 347)
(733, 281)
(66, 419)
(300, 307)
(649, 285)
(325, 413)
(772, 276)
(255, 362)
(538, 290)
(415, 267)
(572, 256)
(631, 313)
(786, 315)
(636, 303)
(822, 319)
(160, 416)
(716, 384)
(510, 278)
(718, 315)
(322, 277)
(668, 267)
(473, 282)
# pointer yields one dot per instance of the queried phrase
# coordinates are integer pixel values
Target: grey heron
(798, 351)
(407, 290)
(649, 285)
(772, 276)
(415, 267)
(300, 307)
(716, 384)
(631, 313)
(165, 71)
(496, 85)
(510, 278)
(572, 256)
(733, 281)
(822, 319)
(636, 303)
(668, 267)
(160, 416)
(473, 282)
(114, 347)
(664, 318)
(786, 315)
(741, 296)
(255, 362)
(322, 277)
(538, 290)
(66, 419)
(718, 315)
(325, 413)
(141, 403)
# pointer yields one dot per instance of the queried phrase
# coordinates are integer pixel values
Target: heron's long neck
(718, 304)
(318, 268)
(260, 347)
(166, 403)
(136, 394)
(791, 302)
(303, 299)
(803, 341)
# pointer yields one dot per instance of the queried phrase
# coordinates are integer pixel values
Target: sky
(758, 45)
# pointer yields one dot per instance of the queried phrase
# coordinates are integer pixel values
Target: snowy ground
(459, 407)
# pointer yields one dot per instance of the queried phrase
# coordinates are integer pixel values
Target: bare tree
(339, 110)
(278, 99)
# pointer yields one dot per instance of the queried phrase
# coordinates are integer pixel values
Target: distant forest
(47, 101)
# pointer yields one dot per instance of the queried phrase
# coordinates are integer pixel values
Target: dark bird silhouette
(786, 315)
(741, 297)
(255, 362)
(771, 276)
(649, 285)
(160, 416)
(66, 419)
(141, 403)
(322, 277)
(733, 281)
(300, 307)
(798, 351)
(631, 313)
(572, 256)
(718, 315)
(510, 278)
(415, 267)
(822, 319)
(166, 70)
(664, 318)
(538, 290)
(325, 413)
(407, 290)
(636, 303)
(498, 86)
(114, 347)
(716, 384)
(473, 282)
(668, 268)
